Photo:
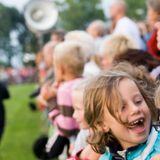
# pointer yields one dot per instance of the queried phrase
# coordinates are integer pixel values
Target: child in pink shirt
(69, 60)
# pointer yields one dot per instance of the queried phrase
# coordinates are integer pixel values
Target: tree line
(73, 14)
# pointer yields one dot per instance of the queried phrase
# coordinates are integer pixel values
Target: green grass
(22, 126)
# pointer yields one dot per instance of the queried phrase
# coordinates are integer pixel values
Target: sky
(19, 4)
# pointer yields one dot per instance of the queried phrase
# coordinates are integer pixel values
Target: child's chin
(83, 127)
(142, 139)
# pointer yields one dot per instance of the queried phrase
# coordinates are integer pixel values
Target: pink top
(65, 123)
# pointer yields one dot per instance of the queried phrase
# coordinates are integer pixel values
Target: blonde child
(91, 67)
(81, 149)
(78, 115)
(68, 66)
(45, 92)
(112, 46)
(120, 111)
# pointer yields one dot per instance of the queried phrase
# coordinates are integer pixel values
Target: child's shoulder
(157, 142)
(68, 84)
(151, 149)
(106, 156)
(155, 148)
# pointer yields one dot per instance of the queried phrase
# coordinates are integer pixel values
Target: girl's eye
(123, 108)
(138, 102)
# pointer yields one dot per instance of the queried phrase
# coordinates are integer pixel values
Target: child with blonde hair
(68, 66)
(120, 111)
(91, 67)
(112, 46)
(45, 92)
(81, 149)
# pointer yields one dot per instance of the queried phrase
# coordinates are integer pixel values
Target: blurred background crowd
(20, 47)
(107, 31)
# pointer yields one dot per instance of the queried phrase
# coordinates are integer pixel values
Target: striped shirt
(65, 123)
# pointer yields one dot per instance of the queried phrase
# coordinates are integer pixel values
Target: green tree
(77, 14)
(136, 9)
(26, 38)
(13, 21)
(5, 21)
(5, 27)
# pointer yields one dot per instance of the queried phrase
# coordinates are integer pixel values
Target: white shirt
(91, 69)
(81, 141)
(127, 27)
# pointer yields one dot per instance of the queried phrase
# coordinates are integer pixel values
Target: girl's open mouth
(137, 126)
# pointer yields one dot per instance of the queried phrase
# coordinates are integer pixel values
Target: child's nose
(134, 109)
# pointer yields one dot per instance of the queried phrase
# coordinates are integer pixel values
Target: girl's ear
(105, 127)
(62, 69)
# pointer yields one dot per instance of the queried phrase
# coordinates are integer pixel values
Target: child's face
(78, 114)
(48, 57)
(152, 16)
(134, 114)
(58, 71)
(106, 62)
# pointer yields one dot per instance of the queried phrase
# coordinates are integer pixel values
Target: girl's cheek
(123, 117)
(74, 115)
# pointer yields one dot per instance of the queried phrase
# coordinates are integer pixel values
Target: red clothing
(76, 157)
(152, 46)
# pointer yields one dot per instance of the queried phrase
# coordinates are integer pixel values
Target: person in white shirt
(123, 24)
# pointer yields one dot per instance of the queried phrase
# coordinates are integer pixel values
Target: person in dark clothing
(4, 94)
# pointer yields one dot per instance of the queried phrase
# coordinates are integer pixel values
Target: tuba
(40, 17)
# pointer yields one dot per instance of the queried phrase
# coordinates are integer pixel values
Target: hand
(49, 90)
(44, 90)
(53, 88)
(41, 103)
(156, 157)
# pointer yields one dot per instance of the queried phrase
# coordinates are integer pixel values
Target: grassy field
(23, 126)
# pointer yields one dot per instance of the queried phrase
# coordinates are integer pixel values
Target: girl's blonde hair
(71, 56)
(81, 84)
(115, 45)
(84, 38)
(102, 93)
(157, 97)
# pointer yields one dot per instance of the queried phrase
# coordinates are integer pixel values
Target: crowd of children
(100, 94)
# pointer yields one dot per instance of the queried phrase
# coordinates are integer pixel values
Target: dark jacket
(4, 94)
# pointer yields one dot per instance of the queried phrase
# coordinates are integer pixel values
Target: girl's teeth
(135, 122)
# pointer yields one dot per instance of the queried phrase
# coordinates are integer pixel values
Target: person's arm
(47, 92)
